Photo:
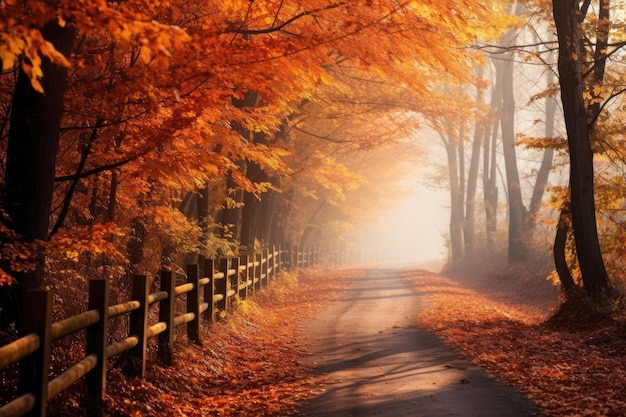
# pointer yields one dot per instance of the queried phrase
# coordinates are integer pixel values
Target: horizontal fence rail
(206, 297)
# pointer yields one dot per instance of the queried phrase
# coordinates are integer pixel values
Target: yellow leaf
(8, 60)
(72, 255)
(146, 54)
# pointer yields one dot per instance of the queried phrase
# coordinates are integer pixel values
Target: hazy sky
(415, 229)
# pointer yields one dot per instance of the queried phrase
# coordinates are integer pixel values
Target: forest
(140, 135)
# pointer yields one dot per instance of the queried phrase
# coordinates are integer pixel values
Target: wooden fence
(205, 298)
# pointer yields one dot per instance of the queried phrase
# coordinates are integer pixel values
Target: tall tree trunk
(546, 163)
(232, 217)
(599, 60)
(251, 210)
(280, 224)
(460, 144)
(201, 199)
(456, 200)
(32, 149)
(517, 250)
(231, 213)
(311, 227)
(267, 218)
(583, 211)
(490, 189)
(469, 225)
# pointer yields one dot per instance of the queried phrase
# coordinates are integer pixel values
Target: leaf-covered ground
(249, 365)
(568, 367)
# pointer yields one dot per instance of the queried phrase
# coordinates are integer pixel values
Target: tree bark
(311, 227)
(231, 216)
(251, 210)
(583, 211)
(456, 201)
(267, 218)
(32, 148)
(490, 189)
(469, 225)
(546, 163)
(559, 250)
(517, 250)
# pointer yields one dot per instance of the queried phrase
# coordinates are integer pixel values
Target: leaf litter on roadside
(567, 370)
(250, 363)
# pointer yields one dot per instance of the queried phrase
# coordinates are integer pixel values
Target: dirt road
(377, 362)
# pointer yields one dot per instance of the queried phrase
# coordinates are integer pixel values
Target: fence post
(252, 274)
(193, 304)
(275, 259)
(288, 257)
(166, 314)
(258, 271)
(268, 265)
(245, 260)
(297, 256)
(34, 368)
(97, 343)
(235, 281)
(221, 286)
(209, 289)
(273, 264)
(265, 265)
(138, 327)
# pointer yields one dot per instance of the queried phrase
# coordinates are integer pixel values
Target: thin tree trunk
(490, 189)
(461, 166)
(517, 250)
(456, 201)
(546, 163)
(472, 180)
(310, 226)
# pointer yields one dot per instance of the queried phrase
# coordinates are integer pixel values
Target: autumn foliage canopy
(175, 115)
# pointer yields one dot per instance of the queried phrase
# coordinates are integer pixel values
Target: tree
(469, 226)
(517, 250)
(33, 138)
(567, 18)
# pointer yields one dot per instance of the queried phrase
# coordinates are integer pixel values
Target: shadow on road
(375, 361)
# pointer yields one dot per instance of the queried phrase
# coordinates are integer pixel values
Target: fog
(414, 230)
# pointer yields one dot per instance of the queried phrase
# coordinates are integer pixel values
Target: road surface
(375, 361)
